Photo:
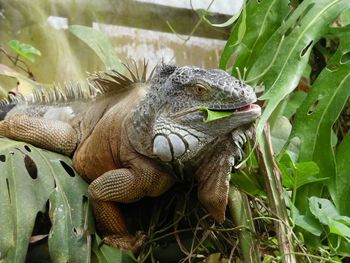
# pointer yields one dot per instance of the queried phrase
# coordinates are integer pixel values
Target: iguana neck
(141, 121)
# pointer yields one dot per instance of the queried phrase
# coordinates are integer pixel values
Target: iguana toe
(126, 242)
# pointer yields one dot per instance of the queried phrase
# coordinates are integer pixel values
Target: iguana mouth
(245, 108)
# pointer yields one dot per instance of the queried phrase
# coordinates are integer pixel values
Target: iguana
(134, 138)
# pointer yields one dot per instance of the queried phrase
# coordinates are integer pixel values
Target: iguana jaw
(250, 108)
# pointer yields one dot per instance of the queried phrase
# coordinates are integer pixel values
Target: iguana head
(179, 131)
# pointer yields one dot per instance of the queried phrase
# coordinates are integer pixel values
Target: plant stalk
(239, 208)
(273, 186)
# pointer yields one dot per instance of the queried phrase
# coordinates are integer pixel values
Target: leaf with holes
(327, 214)
(252, 31)
(30, 178)
(291, 44)
(320, 110)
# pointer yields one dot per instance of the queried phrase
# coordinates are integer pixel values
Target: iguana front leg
(57, 136)
(213, 175)
(125, 185)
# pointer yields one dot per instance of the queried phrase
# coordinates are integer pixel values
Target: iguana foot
(126, 242)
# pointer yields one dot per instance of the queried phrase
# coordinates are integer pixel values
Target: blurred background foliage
(138, 30)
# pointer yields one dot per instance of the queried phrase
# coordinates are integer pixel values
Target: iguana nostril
(2, 158)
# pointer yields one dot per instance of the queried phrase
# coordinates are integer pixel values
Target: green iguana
(128, 141)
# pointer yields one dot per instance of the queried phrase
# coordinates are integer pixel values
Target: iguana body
(129, 142)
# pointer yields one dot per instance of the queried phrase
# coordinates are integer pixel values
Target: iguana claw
(126, 242)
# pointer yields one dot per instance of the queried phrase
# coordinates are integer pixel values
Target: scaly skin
(125, 144)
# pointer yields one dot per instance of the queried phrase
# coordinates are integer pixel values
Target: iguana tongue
(247, 108)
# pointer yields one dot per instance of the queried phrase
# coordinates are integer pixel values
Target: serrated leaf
(30, 177)
(215, 115)
(99, 42)
(26, 51)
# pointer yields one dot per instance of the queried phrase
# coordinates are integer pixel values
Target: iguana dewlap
(126, 141)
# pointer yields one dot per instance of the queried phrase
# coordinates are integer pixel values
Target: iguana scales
(128, 141)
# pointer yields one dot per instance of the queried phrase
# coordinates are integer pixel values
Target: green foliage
(252, 31)
(106, 254)
(30, 178)
(300, 59)
(312, 19)
(328, 215)
(342, 182)
(36, 185)
(100, 44)
(24, 50)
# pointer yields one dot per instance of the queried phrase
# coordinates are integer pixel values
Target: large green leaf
(30, 177)
(262, 19)
(99, 42)
(285, 55)
(308, 223)
(319, 111)
(342, 182)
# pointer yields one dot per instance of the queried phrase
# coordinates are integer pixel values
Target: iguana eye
(200, 89)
